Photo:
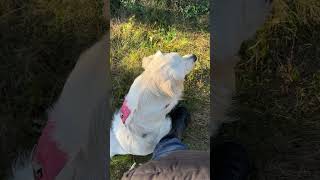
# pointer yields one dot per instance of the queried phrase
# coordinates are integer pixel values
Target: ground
(278, 94)
(139, 29)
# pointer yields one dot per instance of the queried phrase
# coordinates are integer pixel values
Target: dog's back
(79, 117)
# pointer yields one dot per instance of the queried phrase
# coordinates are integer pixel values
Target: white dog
(142, 121)
(73, 143)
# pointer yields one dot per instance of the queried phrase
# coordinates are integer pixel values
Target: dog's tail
(22, 168)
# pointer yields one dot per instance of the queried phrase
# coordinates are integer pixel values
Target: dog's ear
(146, 60)
(172, 88)
(158, 53)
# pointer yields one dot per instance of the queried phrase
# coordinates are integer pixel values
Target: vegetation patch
(139, 29)
(278, 93)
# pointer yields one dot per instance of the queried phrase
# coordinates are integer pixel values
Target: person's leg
(172, 141)
(230, 161)
(167, 145)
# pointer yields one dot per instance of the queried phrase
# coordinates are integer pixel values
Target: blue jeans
(166, 146)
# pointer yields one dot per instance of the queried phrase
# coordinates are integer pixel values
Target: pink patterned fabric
(124, 112)
(48, 156)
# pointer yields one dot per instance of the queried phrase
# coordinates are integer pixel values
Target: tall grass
(278, 89)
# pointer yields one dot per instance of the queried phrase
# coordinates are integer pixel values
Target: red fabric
(48, 155)
(124, 112)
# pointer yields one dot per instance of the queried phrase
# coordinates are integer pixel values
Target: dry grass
(278, 85)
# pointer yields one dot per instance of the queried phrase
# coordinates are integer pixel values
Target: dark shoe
(180, 118)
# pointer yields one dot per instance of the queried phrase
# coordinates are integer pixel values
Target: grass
(278, 93)
(40, 43)
(139, 29)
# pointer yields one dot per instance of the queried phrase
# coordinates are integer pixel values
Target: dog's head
(169, 71)
(159, 88)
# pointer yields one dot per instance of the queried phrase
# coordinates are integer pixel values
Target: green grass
(139, 29)
(278, 92)
(40, 43)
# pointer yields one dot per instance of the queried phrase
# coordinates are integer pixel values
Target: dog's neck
(146, 104)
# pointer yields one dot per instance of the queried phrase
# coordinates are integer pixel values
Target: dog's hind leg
(115, 147)
(164, 128)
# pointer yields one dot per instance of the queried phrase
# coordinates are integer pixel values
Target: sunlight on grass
(132, 40)
(139, 29)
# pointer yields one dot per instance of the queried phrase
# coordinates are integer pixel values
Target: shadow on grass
(278, 90)
(40, 43)
(193, 17)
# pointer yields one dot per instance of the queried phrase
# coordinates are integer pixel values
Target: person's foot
(180, 118)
